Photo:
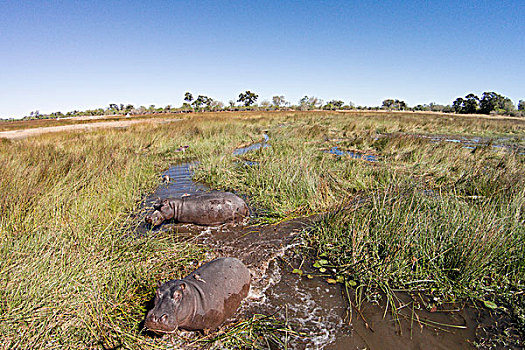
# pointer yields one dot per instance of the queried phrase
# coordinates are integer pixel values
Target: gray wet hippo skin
(212, 208)
(201, 301)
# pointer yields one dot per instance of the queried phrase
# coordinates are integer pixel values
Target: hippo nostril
(163, 318)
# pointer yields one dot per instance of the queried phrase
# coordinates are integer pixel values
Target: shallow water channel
(316, 309)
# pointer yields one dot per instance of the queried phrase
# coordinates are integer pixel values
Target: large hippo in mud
(212, 208)
(201, 301)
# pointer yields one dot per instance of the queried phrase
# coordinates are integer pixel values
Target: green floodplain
(433, 204)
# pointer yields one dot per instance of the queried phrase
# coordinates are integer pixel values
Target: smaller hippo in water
(201, 301)
(212, 208)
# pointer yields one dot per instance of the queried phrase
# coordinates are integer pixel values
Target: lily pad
(331, 281)
(322, 269)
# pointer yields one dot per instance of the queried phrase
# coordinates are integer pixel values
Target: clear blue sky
(65, 55)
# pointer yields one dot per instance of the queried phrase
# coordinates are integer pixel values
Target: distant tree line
(489, 103)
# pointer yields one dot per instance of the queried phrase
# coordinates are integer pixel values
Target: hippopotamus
(212, 208)
(201, 301)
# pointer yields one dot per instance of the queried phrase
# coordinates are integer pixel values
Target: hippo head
(155, 219)
(163, 211)
(165, 315)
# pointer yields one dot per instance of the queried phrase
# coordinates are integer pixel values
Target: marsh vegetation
(429, 217)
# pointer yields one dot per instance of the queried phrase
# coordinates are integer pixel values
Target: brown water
(319, 310)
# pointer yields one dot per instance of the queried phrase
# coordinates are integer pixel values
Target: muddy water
(318, 310)
(180, 183)
(312, 307)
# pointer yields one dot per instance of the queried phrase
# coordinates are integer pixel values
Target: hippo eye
(177, 295)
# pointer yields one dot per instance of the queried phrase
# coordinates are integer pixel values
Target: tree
(521, 105)
(434, 107)
(278, 101)
(468, 105)
(400, 105)
(188, 97)
(265, 105)
(388, 103)
(491, 101)
(334, 104)
(216, 105)
(248, 98)
(186, 107)
(307, 103)
(458, 105)
(471, 104)
(394, 104)
(202, 101)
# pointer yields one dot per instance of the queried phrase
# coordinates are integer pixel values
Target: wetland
(367, 230)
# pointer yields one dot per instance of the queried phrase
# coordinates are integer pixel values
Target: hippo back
(213, 208)
(218, 288)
